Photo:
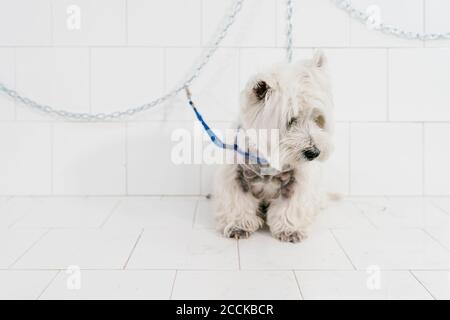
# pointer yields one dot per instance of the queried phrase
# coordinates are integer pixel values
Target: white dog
(295, 99)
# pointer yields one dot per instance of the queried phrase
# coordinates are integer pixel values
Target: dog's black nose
(311, 153)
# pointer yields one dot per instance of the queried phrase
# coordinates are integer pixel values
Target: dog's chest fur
(266, 188)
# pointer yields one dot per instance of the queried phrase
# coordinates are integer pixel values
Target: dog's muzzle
(311, 153)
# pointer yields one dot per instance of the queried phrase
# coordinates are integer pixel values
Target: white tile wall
(418, 84)
(391, 95)
(26, 166)
(359, 83)
(437, 157)
(436, 20)
(150, 168)
(89, 159)
(165, 22)
(386, 159)
(125, 77)
(54, 76)
(255, 28)
(316, 23)
(25, 22)
(406, 14)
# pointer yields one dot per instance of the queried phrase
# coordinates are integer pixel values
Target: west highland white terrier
(296, 99)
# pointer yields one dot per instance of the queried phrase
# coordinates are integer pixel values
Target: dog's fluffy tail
(330, 197)
(334, 196)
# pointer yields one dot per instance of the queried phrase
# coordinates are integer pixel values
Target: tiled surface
(388, 12)
(437, 282)
(84, 22)
(167, 247)
(15, 243)
(394, 249)
(236, 285)
(390, 94)
(65, 212)
(416, 98)
(86, 248)
(154, 212)
(89, 159)
(397, 150)
(112, 284)
(27, 167)
(20, 285)
(361, 285)
(199, 249)
(53, 76)
(321, 251)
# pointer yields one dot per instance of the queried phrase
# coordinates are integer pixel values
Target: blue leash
(216, 140)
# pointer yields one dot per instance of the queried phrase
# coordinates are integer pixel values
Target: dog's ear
(319, 59)
(261, 89)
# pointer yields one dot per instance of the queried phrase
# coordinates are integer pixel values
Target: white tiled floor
(167, 247)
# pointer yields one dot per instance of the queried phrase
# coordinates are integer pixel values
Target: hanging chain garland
(345, 5)
(367, 19)
(229, 20)
(289, 30)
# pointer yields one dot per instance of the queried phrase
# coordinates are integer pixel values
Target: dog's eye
(260, 89)
(320, 121)
(292, 122)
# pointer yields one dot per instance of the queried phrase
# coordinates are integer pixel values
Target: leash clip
(188, 92)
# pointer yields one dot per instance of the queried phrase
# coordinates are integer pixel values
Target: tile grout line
(202, 22)
(298, 285)
(126, 23)
(146, 121)
(52, 156)
(113, 210)
(388, 90)
(423, 160)
(194, 219)
(90, 79)
(226, 269)
(48, 285)
(52, 24)
(173, 284)
(133, 249)
(349, 191)
(342, 248)
(29, 249)
(439, 207)
(275, 26)
(424, 21)
(363, 213)
(418, 280)
(238, 255)
(127, 134)
(437, 241)
(15, 83)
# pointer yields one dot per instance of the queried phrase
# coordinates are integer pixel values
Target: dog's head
(295, 99)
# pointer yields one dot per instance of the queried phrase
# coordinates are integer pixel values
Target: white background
(392, 96)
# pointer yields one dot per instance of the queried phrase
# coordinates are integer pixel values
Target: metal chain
(365, 18)
(289, 30)
(229, 20)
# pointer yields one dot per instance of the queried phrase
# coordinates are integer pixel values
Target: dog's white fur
(298, 102)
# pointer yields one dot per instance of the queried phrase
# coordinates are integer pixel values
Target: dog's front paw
(293, 237)
(237, 233)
